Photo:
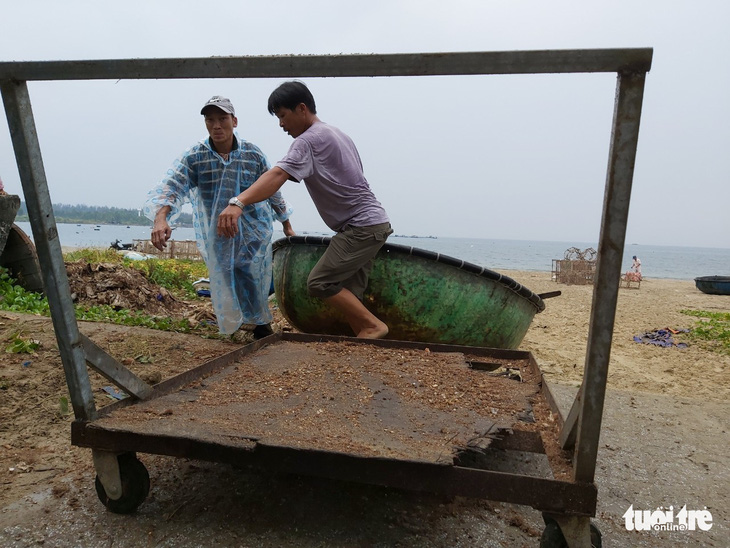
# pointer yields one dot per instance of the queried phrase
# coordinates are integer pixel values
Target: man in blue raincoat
(210, 175)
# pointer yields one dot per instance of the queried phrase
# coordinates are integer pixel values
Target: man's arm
(166, 198)
(161, 230)
(264, 187)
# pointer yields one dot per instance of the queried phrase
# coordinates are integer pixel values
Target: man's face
(220, 126)
(294, 122)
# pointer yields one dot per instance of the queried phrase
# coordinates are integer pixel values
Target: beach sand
(558, 337)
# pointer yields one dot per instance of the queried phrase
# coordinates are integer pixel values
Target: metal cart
(567, 506)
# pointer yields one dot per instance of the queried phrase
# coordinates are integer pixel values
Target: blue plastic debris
(202, 287)
(114, 393)
(27, 364)
(661, 337)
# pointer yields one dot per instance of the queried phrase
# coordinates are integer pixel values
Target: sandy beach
(558, 337)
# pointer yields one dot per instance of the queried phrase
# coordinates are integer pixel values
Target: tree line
(100, 215)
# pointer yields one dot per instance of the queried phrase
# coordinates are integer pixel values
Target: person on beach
(634, 274)
(210, 175)
(328, 162)
(636, 267)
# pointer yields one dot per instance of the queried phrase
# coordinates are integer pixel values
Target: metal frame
(582, 425)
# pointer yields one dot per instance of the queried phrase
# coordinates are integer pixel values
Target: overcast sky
(505, 157)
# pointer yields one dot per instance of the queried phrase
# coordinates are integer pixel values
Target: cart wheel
(135, 486)
(552, 536)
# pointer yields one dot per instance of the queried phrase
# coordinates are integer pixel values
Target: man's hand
(161, 232)
(288, 230)
(228, 221)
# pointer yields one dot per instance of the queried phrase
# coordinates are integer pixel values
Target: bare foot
(373, 332)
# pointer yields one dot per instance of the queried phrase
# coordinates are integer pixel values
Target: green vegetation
(63, 406)
(83, 214)
(21, 344)
(712, 330)
(93, 256)
(105, 313)
(14, 297)
(175, 275)
(172, 274)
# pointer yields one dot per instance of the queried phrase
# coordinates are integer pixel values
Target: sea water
(683, 263)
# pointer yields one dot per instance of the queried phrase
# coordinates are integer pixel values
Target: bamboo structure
(176, 249)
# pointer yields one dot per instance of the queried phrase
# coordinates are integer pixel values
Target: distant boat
(713, 285)
(413, 236)
(422, 296)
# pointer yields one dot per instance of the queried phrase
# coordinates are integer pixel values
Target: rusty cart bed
(444, 419)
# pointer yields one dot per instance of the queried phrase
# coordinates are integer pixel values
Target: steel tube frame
(285, 66)
(619, 177)
(40, 211)
(630, 64)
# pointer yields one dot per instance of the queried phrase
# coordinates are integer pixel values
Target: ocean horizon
(673, 262)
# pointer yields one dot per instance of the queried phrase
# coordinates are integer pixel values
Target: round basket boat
(21, 258)
(713, 285)
(421, 295)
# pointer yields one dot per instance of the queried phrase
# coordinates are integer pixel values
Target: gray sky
(507, 157)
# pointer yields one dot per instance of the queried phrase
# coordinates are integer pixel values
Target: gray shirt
(328, 162)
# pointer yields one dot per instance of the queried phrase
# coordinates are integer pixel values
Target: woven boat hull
(713, 285)
(421, 295)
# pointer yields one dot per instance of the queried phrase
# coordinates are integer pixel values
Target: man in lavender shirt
(328, 162)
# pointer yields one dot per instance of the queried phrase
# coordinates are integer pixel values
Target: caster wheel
(552, 536)
(135, 486)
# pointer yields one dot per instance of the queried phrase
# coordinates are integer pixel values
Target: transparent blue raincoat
(240, 267)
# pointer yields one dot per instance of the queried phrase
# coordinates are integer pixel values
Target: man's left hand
(287, 228)
(228, 221)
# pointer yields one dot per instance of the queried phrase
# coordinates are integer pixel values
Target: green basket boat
(421, 295)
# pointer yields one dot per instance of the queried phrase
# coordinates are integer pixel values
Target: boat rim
(713, 279)
(484, 272)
